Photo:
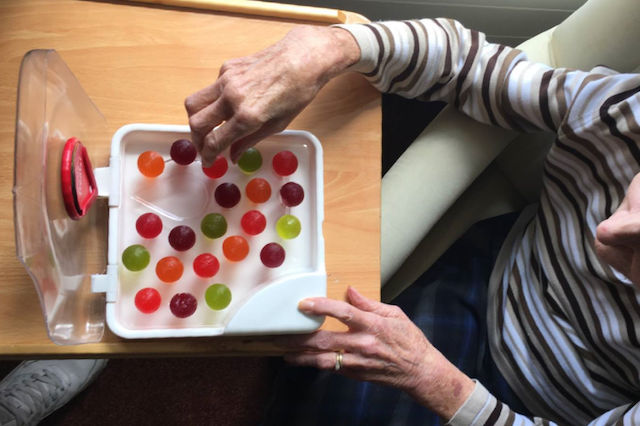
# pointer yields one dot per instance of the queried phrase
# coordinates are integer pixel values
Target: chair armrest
(429, 177)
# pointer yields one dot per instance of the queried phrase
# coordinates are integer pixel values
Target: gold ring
(338, 361)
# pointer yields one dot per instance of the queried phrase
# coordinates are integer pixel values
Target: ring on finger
(338, 365)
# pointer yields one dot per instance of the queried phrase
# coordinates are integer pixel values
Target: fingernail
(305, 305)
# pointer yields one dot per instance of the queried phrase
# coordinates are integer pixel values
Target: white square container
(78, 292)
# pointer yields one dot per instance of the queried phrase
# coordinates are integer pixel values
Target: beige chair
(459, 171)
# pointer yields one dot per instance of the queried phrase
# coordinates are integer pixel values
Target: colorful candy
(182, 238)
(291, 194)
(183, 305)
(253, 222)
(272, 255)
(149, 225)
(213, 225)
(285, 163)
(235, 248)
(250, 161)
(150, 164)
(288, 226)
(169, 269)
(227, 195)
(183, 152)
(217, 296)
(206, 265)
(135, 257)
(258, 190)
(217, 169)
(147, 300)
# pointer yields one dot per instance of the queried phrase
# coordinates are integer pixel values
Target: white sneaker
(35, 389)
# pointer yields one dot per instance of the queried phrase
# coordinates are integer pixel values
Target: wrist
(441, 386)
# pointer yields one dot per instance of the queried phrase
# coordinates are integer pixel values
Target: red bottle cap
(79, 189)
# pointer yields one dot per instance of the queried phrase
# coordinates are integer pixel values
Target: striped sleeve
(439, 59)
(483, 409)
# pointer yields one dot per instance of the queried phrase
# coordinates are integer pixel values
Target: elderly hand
(382, 345)
(618, 238)
(258, 95)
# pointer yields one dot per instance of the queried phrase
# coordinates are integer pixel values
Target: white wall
(504, 21)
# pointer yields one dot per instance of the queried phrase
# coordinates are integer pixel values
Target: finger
(203, 97)
(204, 121)
(370, 305)
(327, 361)
(618, 257)
(620, 229)
(342, 311)
(218, 139)
(323, 341)
(240, 146)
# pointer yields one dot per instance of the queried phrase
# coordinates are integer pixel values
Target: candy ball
(217, 169)
(258, 190)
(250, 161)
(183, 152)
(150, 164)
(206, 265)
(213, 225)
(253, 222)
(288, 227)
(217, 296)
(291, 194)
(135, 257)
(227, 195)
(272, 255)
(149, 225)
(147, 300)
(183, 305)
(182, 238)
(235, 248)
(169, 269)
(285, 163)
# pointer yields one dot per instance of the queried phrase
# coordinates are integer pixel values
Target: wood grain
(138, 63)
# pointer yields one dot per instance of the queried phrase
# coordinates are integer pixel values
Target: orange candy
(258, 190)
(169, 269)
(235, 248)
(150, 164)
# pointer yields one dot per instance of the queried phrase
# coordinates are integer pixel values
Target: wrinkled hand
(382, 345)
(258, 95)
(618, 238)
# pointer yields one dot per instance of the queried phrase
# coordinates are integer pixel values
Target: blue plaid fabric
(449, 304)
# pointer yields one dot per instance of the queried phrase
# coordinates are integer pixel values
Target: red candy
(148, 300)
(253, 222)
(217, 169)
(272, 255)
(206, 265)
(182, 238)
(183, 305)
(285, 163)
(149, 225)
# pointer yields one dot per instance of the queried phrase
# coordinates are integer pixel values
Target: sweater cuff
(369, 47)
(474, 408)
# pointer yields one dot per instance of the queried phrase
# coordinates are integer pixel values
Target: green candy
(217, 296)
(288, 226)
(213, 225)
(250, 161)
(136, 257)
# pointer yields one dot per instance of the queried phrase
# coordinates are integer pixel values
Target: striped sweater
(563, 325)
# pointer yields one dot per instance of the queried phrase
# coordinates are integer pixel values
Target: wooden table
(138, 63)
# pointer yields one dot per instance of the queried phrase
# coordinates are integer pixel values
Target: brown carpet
(198, 391)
